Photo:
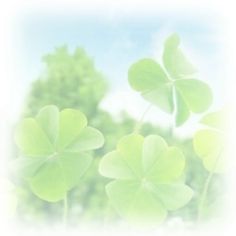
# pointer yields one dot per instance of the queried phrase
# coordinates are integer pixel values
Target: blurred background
(81, 61)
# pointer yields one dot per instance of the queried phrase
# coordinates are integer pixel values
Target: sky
(115, 43)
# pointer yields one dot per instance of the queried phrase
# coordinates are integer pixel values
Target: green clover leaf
(53, 146)
(175, 91)
(174, 60)
(215, 119)
(146, 175)
(209, 142)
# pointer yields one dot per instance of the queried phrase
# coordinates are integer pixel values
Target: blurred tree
(68, 80)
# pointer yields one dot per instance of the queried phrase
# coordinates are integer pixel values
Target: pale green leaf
(206, 142)
(73, 167)
(88, 139)
(153, 147)
(59, 174)
(49, 183)
(135, 203)
(174, 60)
(162, 96)
(145, 75)
(182, 111)
(215, 162)
(168, 167)
(114, 166)
(31, 139)
(209, 144)
(48, 119)
(173, 196)
(196, 94)
(121, 193)
(214, 119)
(60, 163)
(130, 148)
(135, 193)
(26, 167)
(71, 123)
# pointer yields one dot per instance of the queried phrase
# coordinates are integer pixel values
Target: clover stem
(140, 122)
(206, 188)
(204, 195)
(173, 124)
(65, 210)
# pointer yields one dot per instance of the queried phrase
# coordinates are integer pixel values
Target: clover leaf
(209, 142)
(215, 119)
(176, 91)
(53, 146)
(146, 175)
(174, 60)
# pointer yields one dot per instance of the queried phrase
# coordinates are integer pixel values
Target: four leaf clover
(209, 142)
(146, 175)
(176, 91)
(53, 146)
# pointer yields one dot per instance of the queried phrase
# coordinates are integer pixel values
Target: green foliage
(69, 80)
(147, 173)
(175, 61)
(175, 91)
(65, 76)
(53, 145)
(209, 143)
(152, 182)
(215, 119)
